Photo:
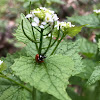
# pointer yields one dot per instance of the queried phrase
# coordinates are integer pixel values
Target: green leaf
(56, 1)
(88, 48)
(72, 31)
(91, 20)
(2, 67)
(51, 76)
(95, 76)
(44, 96)
(9, 59)
(10, 91)
(27, 28)
(88, 69)
(99, 44)
(71, 49)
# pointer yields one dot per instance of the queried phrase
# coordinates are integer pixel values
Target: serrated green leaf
(27, 28)
(88, 48)
(51, 76)
(95, 76)
(72, 31)
(91, 20)
(71, 49)
(88, 69)
(10, 91)
(68, 48)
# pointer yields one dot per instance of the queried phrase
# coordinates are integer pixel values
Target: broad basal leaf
(91, 20)
(10, 91)
(51, 76)
(27, 28)
(95, 76)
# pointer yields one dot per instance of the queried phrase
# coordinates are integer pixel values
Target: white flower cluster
(41, 16)
(63, 25)
(1, 62)
(97, 11)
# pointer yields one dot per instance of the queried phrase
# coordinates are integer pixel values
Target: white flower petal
(36, 19)
(55, 17)
(57, 25)
(29, 16)
(34, 24)
(48, 17)
(69, 24)
(41, 26)
(96, 11)
(1, 62)
(43, 23)
(43, 8)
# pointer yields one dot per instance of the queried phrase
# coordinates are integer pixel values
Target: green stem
(41, 40)
(26, 35)
(35, 39)
(3, 76)
(55, 39)
(37, 29)
(34, 93)
(47, 26)
(30, 7)
(49, 41)
(57, 45)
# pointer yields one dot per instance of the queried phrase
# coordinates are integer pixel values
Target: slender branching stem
(35, 40)
(49, 41)
(57, 44)
(56, 38)
(37, 29)
(41, 40)
(30, 7)
(27, 35)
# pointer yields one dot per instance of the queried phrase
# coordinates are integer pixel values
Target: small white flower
(52, 12)
(44, 37)
(57, 25)
(1, 62)
(43, 23)
(48, 17)
(69, 24)
(96, 11)
(62, 24)
(50, 35)
(29, 16)
(43, 8)
(55, 17)
(41, 26)
(73, 25)
(36, 22)
(35, 12)
(36, 19)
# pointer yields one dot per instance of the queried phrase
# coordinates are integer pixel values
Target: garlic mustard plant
(43, 67)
